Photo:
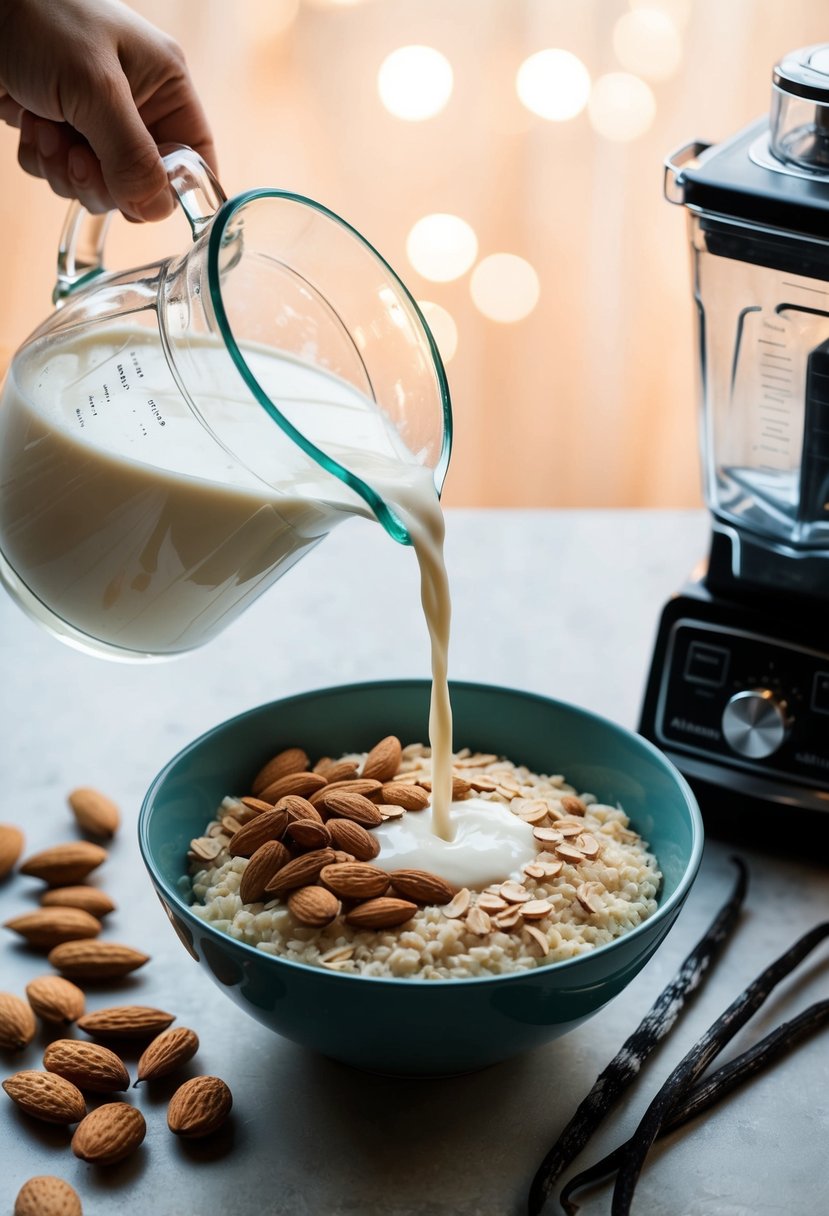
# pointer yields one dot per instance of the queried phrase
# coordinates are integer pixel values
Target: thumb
(130, 162)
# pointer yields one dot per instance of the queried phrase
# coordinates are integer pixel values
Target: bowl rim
(666, 911)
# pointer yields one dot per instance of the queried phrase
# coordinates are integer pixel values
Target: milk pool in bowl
(440, 1026)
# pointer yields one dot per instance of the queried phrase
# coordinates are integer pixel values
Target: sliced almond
(478, 922)
(533, 870)
(482, 785)
(536, 909)
(540, 939)
(547, 835)
(572, 805)
(337, 956)
(492, 903)
(461, 788)
(514, 892)
(392, 812)
(206, 848)
(383, 761)
(290, 760)
(531, 810)
(589, 896)
(313, 905)
(567, 853)
(510, 918)
(458, 905)
(587, 844)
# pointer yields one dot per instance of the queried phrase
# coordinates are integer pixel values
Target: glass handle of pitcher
(81, 248)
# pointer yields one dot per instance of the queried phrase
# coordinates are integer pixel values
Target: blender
(738, 691)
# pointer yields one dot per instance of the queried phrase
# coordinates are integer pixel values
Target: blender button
(706, 664)
(820, 692)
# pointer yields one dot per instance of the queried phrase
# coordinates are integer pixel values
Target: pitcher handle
(81, 248)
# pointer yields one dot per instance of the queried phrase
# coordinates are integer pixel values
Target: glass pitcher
(174, 438)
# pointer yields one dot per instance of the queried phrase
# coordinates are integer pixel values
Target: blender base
(717, 661)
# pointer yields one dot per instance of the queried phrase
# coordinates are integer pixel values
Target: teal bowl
(434, 1027)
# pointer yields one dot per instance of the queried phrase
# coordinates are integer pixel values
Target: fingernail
(79, 166)
(46, 139)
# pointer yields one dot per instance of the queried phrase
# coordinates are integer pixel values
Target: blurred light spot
(334, 3)
(504, 287)
(678, 10)
(443, 327)
(621, 107)
(441, 247)
(415, 82)
(553, 84)
(647, 42)
(266, 19)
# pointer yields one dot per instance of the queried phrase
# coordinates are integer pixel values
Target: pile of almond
(306, 832)
(66, 926)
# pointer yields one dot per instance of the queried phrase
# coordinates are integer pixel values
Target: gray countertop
(562, 603)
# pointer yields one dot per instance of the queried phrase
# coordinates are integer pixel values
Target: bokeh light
(553, 84)
(679, 11)
(621, 106)
(415, 82)
(441, 247)
(647, 42)
(504, 287)
(443, 327)
(266, 19)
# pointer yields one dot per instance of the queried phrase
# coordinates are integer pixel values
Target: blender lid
(774, 173)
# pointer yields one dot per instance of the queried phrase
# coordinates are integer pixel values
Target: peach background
(589, 401)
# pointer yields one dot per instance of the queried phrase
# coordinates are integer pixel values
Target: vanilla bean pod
(626, 1064)
(697, 1060)
(708, 1091)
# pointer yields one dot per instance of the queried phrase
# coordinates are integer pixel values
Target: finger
(131, 167)
(69, 167)
(10, 111)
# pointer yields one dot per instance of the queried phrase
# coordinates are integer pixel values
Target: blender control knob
(755, 723)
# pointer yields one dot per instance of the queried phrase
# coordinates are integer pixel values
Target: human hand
(94, 88)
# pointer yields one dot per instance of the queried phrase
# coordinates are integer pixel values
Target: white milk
(122, 512)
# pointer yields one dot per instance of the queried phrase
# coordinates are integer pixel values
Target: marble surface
(562, 603)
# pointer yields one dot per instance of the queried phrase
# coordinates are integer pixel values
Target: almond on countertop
(94, 812)
(109, 1134)
(64, 864)
(198, 1107)
(93, 1068)
(125, 1022)
(96, 960)
(89, 899)
(46, 1195)
(46, 1096)
(55, 999)
(11, 846)
(47, 927)
(167, 1052)
(17, 1022)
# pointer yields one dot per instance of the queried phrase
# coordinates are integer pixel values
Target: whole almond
(347, 805)
(353, 838)
(308, 834)
(46, 1096)
(199, 1107)
(93, 1068)
(294, 783)
(299, 872)
(47, 927)
(314, 906)
(355, 880)
(167, 1052)
(255, 805)
(422, 887)
(11, 846)
(46, 1195)
(368, 789)
(410, 797)
(382, 913)
(291, 760)
(109, 1134)
(90, 899)
(17, 1022)
(264, 863)
(55, 999)
(268, 826)
(94, 960)
(383, 761)
(298, 808)
(572, 806)
(460, 788)
(94, 812)
(64, 864)
(339, 770)
(125, 1022)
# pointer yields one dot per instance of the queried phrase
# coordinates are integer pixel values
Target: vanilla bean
(697, 1060)
(709, 1090)
(626, 1064)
